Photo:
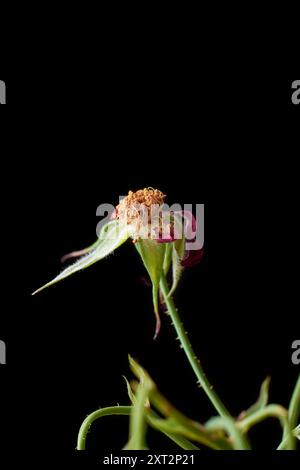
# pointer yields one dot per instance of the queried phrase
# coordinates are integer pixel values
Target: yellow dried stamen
(146, 196)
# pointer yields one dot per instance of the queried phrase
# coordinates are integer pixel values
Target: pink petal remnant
(114, 215)
(165, 240)
(192, 257)
(190, 224)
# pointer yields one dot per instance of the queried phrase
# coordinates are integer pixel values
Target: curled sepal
(110, 238)
(153, 256)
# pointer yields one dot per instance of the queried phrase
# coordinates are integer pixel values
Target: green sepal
(153, 256)
(262, 400)
(178, 248)
(168, 258)
(110, 238)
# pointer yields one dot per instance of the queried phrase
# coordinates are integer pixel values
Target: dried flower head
(158, 238)
(141, 212)
(146, 197)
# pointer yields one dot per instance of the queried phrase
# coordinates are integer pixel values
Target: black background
(72, 141)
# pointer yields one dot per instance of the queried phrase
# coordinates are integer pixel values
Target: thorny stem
(112, 410)
(187, 347)
(181, 441)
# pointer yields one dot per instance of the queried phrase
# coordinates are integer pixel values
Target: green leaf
(153, 256)
(140, 372)
(111, 237)
(129, 391)
(171, 421)
(154, 421)
(151, 416)
(138, 419)
(262, 400)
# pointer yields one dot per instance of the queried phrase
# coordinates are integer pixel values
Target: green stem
(270, 411)
(84, 428)
(127, 411)
(187, 347)
(240, 441)
(294, 407)
(286, 443)
(137, 426)
(293, 417)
